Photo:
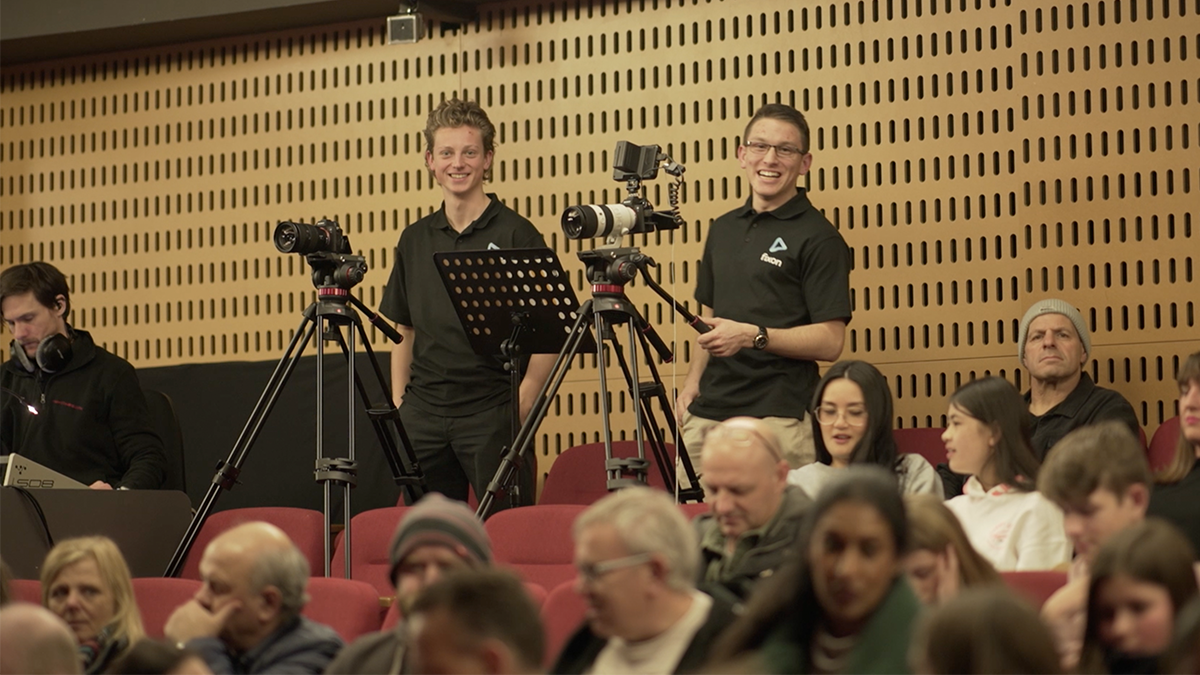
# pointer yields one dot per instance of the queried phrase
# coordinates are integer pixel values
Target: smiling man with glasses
(774, 283)
(636, 560)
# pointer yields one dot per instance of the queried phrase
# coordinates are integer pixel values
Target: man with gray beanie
(1054, 345)
(434, 537)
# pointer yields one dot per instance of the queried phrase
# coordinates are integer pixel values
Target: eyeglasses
(828, 416)
(591, 573)
(758, 149)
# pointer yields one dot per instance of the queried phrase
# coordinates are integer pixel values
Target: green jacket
(882, 646)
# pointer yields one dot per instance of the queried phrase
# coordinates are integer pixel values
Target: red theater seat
(563, 613)
(370, 536)
(305, 527)
(577, 475)
(158, 597)
(1036, 586)
(926, 442)
(348, 606)
(535, 541)
(1163, 444)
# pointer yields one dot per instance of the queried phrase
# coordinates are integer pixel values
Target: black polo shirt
(779, 269)
(1086, 404)
(448, 377)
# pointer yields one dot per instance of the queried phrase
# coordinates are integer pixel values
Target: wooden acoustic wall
(977, 155)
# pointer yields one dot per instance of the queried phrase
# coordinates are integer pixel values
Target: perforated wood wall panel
(977, 155)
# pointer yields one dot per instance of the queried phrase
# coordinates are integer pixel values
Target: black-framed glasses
(759, 149)
(591, 572)
(828, 416)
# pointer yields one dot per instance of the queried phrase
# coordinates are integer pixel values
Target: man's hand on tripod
(727, 337)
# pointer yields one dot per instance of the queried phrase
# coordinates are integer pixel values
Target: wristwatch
(761, 340)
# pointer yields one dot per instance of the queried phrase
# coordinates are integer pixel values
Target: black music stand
(525, 291)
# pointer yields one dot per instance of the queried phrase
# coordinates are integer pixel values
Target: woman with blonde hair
(1176, 494)
(940, 560)
(86, 582)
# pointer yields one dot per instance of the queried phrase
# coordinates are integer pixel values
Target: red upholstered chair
(535, 541)
(371, 535)
(563, 613)
(926, 442)
(1163, 444)
(577, 475)
(26, 590)
(348, 606)
(157, 598)
(1036, 586)
(536, 593)
(691, 509)
(306, 528)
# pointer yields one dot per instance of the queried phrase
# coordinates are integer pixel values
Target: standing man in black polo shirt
(775, 285)
(456, 404)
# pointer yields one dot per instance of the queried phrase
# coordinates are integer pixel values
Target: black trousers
(457, 452)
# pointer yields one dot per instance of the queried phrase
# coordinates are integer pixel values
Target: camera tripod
(335, 307)
(609, 269)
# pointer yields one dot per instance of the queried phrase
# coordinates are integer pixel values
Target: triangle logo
(493, 247)
(778, 245)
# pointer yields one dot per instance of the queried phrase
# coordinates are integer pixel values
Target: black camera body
(632, 164)
(326, 248)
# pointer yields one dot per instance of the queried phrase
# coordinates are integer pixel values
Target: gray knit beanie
(1053, 306)
(438, 521)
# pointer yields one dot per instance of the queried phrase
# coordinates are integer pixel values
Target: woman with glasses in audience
(1176, 494)
(86, 582)
(1005, 518)
(852, 407)
(940, 561)
(844, 605)
(1141, 578)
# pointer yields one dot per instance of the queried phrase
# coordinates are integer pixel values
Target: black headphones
(53, 354)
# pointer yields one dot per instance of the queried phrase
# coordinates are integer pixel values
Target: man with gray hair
(34, 640)
(636, 559)
(246, 616)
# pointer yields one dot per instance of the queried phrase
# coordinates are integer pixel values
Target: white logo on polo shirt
(778, 245)
(493, 247)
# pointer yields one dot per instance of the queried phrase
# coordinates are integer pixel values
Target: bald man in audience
(34, 640)
(246, 616)
(435, 537)
(476, 621)
(754, 515)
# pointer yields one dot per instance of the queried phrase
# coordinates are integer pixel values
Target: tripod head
(337, 270)
(613, 266)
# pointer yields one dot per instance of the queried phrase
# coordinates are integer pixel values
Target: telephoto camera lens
(598, 220)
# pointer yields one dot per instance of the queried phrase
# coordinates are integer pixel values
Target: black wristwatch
(761, 340)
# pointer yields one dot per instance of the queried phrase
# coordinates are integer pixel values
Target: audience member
(476, 621)
(1006, 519)
(1141, 578)
(1176, 496)
(1054, 345)
(85, 581)
(774, 283)
(154, 657)
(940, 560)
(636, 557)
(1099, 477)
(436, 536)
(983, 630)
(1184, 654)
(35, 641)
(5, 577)
(844, 605)
(246, 616)
(853, 410)
(92, 422)
(754, 514)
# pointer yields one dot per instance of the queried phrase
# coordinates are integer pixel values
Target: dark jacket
(882, 646)
(92, 422)
(298, 646)
(584, 646)
(773, 548)
(376, 653)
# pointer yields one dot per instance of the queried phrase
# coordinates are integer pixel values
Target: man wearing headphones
(91, 420)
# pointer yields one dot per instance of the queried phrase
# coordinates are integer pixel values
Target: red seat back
(348, 606)
(1036, 586)
(370, 537)
(926, 442)
(1163, 444)
(564, 611)
(26, 590)
(157, 598)
(305, 527)
(577, 476)
(535, 541)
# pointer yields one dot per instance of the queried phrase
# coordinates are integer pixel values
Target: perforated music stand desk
(488, 287)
